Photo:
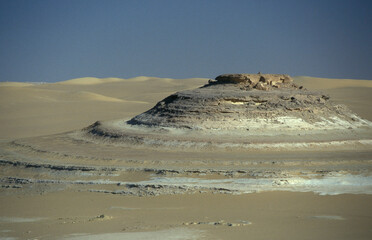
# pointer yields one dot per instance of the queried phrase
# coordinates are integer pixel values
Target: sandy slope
(41, 109)
(89, 81)
(277, 215)
(15, 84)
(356, 94)
(330, 83)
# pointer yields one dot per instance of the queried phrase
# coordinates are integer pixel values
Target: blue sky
(55, 40)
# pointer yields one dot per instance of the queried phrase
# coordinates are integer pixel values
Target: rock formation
(247, 101)
(235, 108)
(257, 81)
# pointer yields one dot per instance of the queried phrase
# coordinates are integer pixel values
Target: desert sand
(57, 188)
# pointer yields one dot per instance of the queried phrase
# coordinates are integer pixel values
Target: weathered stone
(232, 101)
(261, 86)
(234, 104)
(258, 81)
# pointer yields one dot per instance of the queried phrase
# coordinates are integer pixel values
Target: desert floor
(65, 211)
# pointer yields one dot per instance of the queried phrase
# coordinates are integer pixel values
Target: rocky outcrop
(257, 81)
(246, 101)
(238, 111)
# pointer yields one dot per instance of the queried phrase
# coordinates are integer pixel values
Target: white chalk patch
(169, 234)
(128, 208)
(124, 208)
(20, 220)
(330, 217)
(328, 185)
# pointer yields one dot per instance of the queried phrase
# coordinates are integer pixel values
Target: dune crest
(88, 96)
(15, 84)
(89, 81)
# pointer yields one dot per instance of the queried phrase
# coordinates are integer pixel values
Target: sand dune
(358, 99)
(145, 78)
(15, 84)
(330, 83)
(41, 109)
(88, 96)
(33, 110)
(89, 81)
(356, 94)
(25, 94)
(11, 94)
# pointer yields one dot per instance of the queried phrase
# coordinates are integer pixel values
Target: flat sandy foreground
(46, 193)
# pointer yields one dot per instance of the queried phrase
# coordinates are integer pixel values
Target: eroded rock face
(239, 111)
(257, 81)
(247, 101)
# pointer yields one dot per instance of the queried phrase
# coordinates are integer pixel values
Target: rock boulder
(258, 81)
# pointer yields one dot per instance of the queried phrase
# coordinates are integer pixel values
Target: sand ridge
(89, 81)
(15, 84)
(42, 109)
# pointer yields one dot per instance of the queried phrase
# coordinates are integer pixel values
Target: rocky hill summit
(248, 101)
(257, 81)
(237, 110)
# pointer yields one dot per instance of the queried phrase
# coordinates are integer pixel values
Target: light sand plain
(29, 110)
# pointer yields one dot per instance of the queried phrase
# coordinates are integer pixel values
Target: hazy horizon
(52, 41)
(212, 77)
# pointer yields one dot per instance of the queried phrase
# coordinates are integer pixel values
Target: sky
(54, 40)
